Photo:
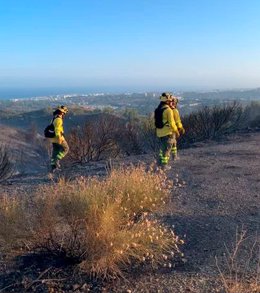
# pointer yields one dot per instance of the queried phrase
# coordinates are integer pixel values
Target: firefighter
(178, 122)
(166, 129)
(60, 146)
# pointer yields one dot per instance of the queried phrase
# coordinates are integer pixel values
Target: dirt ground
(215, 197)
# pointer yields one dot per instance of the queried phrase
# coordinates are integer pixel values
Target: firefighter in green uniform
(60, 146)
(177, 119)
(166, 129)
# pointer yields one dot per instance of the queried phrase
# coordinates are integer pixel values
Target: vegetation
(239, 271)
(103, 226)
(94, 141)
(111, 135)
(212, 123)
(205, 124)
(107, 227)
(6, 165)
(252, 115)
(107, 137)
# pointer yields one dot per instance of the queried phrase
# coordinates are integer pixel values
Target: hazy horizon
(23, 93)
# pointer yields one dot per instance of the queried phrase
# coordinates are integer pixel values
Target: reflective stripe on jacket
(170, 125)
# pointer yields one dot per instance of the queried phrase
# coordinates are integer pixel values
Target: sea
(23, 93)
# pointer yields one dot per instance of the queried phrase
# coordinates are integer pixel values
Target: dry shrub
(129, 138)
(94, 141)
(212, 122)
(208, 123)
(31, 133)
(105, 226)
(80, 141)
(252, 115)
(107, 137)
(240, 270)
(14, 224)
(43, 150)
(6, 165)
(149, 135)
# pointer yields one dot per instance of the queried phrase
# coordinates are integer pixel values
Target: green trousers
(166, 144)
(174, 149)
(59, 151)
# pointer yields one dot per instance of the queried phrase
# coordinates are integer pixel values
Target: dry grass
(240, 272)
(105, 226)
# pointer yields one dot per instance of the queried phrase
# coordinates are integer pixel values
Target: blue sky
(137, 44)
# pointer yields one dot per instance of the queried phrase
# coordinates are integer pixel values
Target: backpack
(49, 131)
(158, 115)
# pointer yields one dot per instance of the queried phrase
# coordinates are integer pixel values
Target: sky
(129, 44)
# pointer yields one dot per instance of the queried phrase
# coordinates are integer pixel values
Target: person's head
(166, 98)
(174, 102)
(61, 111)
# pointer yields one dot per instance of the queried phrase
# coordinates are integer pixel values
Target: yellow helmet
(175, 100)
(165, 97)
(63, 109)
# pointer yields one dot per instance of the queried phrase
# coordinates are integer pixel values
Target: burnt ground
(216, 194)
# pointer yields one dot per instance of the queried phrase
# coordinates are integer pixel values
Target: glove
(60, 139)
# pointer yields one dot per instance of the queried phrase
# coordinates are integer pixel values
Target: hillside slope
(23, 151)
(216, 192)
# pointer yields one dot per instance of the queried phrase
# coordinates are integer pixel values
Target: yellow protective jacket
(170, 125)
(59, 131)
(177, 118)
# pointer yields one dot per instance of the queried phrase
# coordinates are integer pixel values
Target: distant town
(143, 103)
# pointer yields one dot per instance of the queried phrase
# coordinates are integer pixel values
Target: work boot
(55, 168)
(58, 165)
(176, 158)
(166, 167)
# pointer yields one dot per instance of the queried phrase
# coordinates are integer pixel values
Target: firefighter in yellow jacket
(166, 129)
(179, 125)
(60, 146)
